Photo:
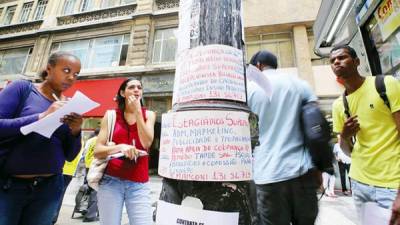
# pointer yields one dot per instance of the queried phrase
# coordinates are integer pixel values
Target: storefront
(369, 26)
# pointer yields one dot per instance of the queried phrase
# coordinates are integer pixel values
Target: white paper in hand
(255, 75)
(79, 103)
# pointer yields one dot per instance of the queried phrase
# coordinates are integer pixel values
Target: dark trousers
(343, 168)
(288, 202)
(29, 201)
(67, 180)
(92, 210)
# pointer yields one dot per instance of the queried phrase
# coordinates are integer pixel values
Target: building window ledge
(20, 27)
(97, 15)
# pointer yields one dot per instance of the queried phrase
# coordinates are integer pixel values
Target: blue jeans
(114, 192)
(29, 201)
(363, 193)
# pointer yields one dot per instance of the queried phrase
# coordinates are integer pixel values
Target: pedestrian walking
(31, 181)
(92, 210)
(285, 178)
(369, 130)
(125, 180)
(344, 162)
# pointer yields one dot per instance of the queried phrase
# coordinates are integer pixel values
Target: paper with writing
(79, 103)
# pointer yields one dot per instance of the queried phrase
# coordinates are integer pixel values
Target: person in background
(329, 184)
(344, 166)
(69, 171)
(92, 210)
(286, 180)
(31, 183)
(126, 180)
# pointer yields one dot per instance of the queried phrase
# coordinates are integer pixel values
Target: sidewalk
(332, 211)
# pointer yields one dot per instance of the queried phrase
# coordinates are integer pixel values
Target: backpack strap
(346, 105)
(381, 89)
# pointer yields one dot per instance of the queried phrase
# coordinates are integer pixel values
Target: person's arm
(349, 130)
(395, 219)
(9, 104)
(71, 145)
(145, 129)
(102, 150)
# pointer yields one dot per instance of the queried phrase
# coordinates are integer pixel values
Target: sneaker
(86, 220)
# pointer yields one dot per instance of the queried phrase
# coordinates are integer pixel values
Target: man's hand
(395, 219)
(350, 128)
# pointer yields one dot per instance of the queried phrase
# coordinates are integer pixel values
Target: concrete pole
(213, 22)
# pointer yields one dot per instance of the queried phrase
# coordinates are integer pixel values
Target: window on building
(281, 44)
(164, 47)
(41, 7)
(109, 3)
(26, 12)
(128, 1)
(14, 61)
(100, 52)
(69, 6)
(315, 60)
(9, 14)
(113, 3)
(86, 5)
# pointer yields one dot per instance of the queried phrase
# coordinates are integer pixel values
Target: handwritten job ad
(205, 146)
(209, 72)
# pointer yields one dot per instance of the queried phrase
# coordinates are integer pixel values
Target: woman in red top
(126, 179)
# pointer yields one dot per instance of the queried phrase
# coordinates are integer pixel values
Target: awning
(102, 91)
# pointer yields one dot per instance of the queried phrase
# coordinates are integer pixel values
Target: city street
(333, 211)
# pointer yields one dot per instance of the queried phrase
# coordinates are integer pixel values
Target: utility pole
(206, 142)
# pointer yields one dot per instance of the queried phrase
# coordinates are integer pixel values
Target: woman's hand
(134, 103)
(74, 121)
(52, 108)
(129, 151)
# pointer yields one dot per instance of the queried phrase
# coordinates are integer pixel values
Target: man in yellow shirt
(375, 153)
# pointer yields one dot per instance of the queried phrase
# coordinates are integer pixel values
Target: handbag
(98, 166)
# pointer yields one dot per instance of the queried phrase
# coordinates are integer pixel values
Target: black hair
(119, 98)
(266, 58)
(53, 59)
(351, 50)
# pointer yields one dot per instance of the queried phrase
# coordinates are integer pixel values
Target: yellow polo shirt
(376, 153)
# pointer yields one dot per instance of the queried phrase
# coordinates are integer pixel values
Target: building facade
(136, 38)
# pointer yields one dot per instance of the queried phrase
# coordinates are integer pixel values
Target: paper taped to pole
(206, 146)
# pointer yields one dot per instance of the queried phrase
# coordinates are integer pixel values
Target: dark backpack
(317, 136)
(6, 144)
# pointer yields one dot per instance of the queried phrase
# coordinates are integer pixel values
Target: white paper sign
(79, 103)
(171, 214)
(205, 146)
(372, 214)
(255, 75)
(209, 72)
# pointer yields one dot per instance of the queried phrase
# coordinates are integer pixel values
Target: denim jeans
(363, 193)
(288, 202)
(114, 192)
(29, 201)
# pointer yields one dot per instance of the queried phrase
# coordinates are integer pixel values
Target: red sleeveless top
(124, 168)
